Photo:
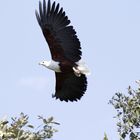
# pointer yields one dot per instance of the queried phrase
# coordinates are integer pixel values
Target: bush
(20, 129)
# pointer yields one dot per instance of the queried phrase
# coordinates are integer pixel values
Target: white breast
(53, 65)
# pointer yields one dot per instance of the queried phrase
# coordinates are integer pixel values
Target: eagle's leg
(77, 72)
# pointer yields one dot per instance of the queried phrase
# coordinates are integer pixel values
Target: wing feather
(44, 7)
(56, 10)
(48, 6)
(41, 10)
(53, 8)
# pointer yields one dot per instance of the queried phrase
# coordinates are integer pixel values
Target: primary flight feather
(70, 71)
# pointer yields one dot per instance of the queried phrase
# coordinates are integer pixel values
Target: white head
(45, 63)
(53, 65)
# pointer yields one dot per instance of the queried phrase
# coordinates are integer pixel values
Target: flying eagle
(70, 71)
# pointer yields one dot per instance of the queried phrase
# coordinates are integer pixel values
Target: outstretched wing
(70, 87)
(61, 37)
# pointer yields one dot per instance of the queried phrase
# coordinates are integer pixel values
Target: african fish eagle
(70, 71)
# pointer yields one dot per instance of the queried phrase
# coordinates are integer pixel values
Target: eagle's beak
(39, 63)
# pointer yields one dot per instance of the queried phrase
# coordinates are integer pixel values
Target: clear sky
(109, 31)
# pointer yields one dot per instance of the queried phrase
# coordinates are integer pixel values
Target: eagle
(70, 70)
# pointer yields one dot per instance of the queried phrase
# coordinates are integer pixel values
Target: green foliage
(20, 129)
(128, 113)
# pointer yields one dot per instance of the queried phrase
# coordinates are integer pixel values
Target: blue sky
(109, 32)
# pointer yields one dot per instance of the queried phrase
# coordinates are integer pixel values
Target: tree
(20, 129)
(128, 113)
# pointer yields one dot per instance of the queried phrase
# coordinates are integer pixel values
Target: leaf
(50, 119)
(30, 126)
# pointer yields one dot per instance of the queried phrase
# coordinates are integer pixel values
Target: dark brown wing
(61, 37)
(70, 87)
